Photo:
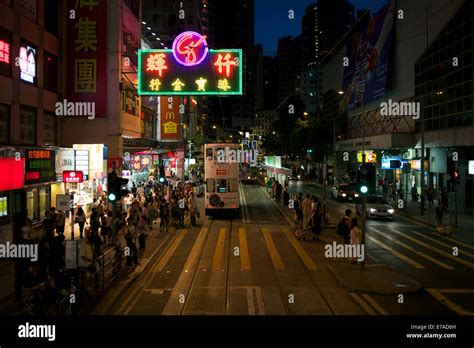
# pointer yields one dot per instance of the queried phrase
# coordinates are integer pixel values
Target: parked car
(344, 192)
(376, 207)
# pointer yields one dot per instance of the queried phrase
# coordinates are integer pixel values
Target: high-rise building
(323, 25)
(235, 29)
(290, 65)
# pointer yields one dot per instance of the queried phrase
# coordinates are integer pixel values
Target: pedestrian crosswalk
(419, 250)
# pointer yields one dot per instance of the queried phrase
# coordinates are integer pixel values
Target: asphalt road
(253, 265)
(420, 252)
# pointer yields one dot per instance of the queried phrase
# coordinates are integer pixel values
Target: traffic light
(115, 184)
(366, 179)
(456, 177)
(162, 176)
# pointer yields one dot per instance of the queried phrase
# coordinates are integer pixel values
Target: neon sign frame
(212, 53)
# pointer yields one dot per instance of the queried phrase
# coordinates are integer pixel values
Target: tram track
(267, 206)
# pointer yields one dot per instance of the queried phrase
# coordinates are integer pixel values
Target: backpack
(341, 227)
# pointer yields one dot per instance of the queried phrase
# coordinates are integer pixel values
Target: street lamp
(305, 113)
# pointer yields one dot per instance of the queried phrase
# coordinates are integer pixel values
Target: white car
(376, 207)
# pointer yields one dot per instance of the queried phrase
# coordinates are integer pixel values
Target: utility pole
(364, 197)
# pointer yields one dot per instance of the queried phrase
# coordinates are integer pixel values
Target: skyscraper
(323, 25)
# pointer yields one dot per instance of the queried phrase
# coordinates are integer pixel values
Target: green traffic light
(364, 189)
(112, 197)
(162, 179)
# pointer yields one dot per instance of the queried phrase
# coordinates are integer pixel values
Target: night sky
(271, 19)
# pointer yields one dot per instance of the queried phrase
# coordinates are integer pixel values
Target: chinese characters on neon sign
(190, 68)
(4, 52)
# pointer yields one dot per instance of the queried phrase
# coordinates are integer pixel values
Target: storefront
(40, 173)
(91, 160)
(12, 181)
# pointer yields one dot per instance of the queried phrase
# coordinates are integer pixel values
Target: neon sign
(4, 52)
(73, 176)
(220, 73)
(190, 48)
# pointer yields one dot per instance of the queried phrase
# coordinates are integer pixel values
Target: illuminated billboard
(190, 68)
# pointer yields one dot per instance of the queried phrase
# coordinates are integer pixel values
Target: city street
(253, 265)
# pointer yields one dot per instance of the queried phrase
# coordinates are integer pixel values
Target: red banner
(86, 55)
(170, 119)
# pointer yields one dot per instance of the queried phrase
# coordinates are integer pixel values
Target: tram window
(221, 185)
(233, 186)
(210, 183)
(209, 155)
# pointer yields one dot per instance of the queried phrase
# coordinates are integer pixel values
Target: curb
(418, 285)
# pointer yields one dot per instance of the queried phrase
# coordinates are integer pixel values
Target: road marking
(396, 253)
(455, 241)
(272, 250)
(219, 254)
(245, 212)
(375, 304)
(250, 302)
(299, 250)
(363, 304)
(436, 250)
(456, 291)
(244, 251)
(124, 308)
(260, 303)
(444, 244)
(406, 246)
(183, 284)
(448, 303)
(169, 253)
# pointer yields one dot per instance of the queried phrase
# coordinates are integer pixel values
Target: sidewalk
(376, 278)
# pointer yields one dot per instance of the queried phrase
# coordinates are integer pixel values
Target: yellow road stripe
(299, 250)
(456, 291)
(219, 254)
(455, 258)
(125, 308)
(272, 250)
(169, 253)
(444, 244)
(396, 253)
(455, 241)
(448, 303)
(406, 246)
(192, 259)
(374, 304)
(244, 251)
(363, 304)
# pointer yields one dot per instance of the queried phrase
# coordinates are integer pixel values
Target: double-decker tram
(221, 174)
